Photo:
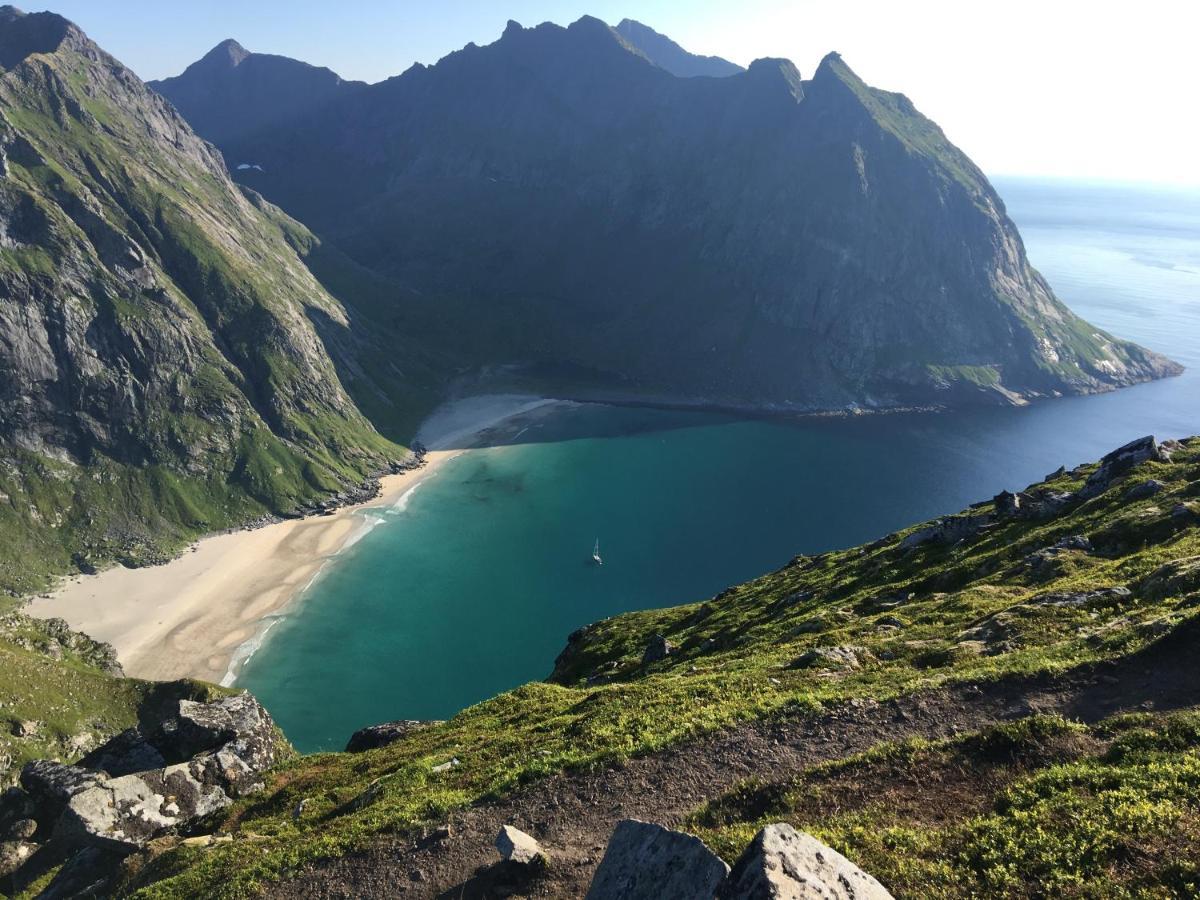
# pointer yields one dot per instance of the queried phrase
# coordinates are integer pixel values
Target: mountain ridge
(666, 54)
(863, 259)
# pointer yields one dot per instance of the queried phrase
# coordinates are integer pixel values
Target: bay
(473, 585)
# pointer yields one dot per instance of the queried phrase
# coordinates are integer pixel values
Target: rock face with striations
(769, 241)
(158, 326)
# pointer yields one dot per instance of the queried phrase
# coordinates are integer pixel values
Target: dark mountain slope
(756, 240)
(231, 91)
(666, 54)
(161, 374)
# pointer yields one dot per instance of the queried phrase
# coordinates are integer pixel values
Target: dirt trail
(573, 815)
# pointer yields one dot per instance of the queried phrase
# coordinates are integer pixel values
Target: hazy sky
(1089, 88)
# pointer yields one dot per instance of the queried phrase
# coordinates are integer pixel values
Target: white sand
(194, 615)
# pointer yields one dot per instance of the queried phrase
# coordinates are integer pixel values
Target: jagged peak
(783, 71)
(26, 34)
(227, 53)
(512, 28)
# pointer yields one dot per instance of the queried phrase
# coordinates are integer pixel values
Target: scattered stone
(516, 846)
(951, 530)
(1144, 490)
(648, 862)
(1178, 577)
(446, 766)
(658, 648)
(847, 657)
(21, 830)
(13, 855)
(782, 862)
(300, 807)
(375, 736)
(24, 728)
(1113, 596)
(1182, 511)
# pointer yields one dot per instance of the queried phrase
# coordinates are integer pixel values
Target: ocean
(472, 584)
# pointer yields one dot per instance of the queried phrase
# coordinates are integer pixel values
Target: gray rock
(48, 781)
(648, 862)
(375, 736)
(125, 753)
(13, 855)
(1113, 596)
(847, 657)
(1119, 462)
(1007, 503)
(950, 530)
(516, 846)
(657, 648)
(1144, 490)
(21, 830)
(126, 813)
(782, 863)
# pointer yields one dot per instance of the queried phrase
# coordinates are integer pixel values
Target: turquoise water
(473, 587)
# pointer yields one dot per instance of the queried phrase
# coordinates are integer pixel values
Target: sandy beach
(202, 614)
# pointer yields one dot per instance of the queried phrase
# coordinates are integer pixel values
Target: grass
(922, 616)
(1038, 808)
(57, 680)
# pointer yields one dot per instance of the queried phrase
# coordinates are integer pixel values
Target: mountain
(932, 704)
(666, 54)
(231, 91)
(603, 228)
(164, 350)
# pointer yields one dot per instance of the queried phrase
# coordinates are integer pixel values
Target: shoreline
(203, 614)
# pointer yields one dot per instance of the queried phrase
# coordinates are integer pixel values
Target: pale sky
(1096, 89)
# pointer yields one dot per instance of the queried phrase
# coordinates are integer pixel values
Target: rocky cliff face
(759, 240)
(160, 369)
(231, 91)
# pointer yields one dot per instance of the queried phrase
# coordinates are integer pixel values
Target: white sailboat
(596, 554)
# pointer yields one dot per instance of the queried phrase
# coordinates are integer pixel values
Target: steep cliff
(162, 372)
(756, 240)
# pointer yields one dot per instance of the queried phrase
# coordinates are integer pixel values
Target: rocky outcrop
(375, 736)
(202, 756)
(1119, 462)
(657, 648)
(644, 861)
(782, 863)
(648, 862)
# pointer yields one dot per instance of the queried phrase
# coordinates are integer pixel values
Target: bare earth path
(573, 815)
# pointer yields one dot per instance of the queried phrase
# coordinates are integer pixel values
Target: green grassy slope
(919, 616)
(60, 695)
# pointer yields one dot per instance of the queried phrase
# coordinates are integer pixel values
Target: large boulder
(1120, 461)
(128, 812)
(375, 736)
(148, 781)
(782, 863)
(648, 862)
